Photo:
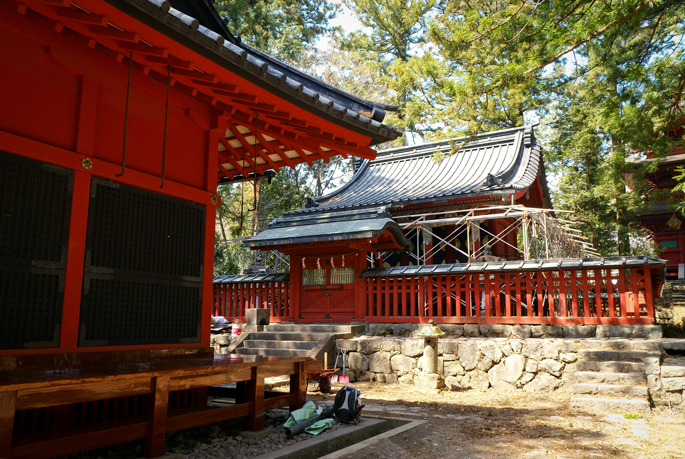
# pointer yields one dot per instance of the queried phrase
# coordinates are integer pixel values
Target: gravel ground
(465, 424)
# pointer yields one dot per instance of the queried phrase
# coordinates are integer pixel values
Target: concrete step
(621, 345)
(611, 390)
(287, 336)
(602, 404)
(624, 356)
(611, 367)
(273, 352)
(315, 328)
(278, 344)
(625, 379)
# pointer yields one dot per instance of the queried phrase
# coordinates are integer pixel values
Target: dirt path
(512, 425)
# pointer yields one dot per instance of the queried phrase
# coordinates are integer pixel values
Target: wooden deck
(42, 411)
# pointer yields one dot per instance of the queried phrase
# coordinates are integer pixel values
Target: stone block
(412, 347)
(452, 330)
(390, 378)
(380, 329)
(672, 371)
(357, 361)
(495, 331)
(391, 345)
(673, 384)
(406, 379)
(402, 330)
(441, 364)
(568, 357)
(579, 331)
(505, 374)
(469, 355)
(653, 366)
(506, 349)
(532, 366)
(348, 344)
(485, 364)
(547, 331)
(380, 377)
(516, 345)
(369, 345)
(449, 357)
(401, 364)
(521, 331)
(476, 379)
(525, 379)
(550, 349)
(654, 382)
(543, 382)
(425, 382)
(568, 377)
(453, 383)
(453, 368)
(365, 375)
(471, 330)
(551, 366)
(257, 316)
(532, 349)
(380, 362)
(491, 350)
(222, 340)
(447, 346)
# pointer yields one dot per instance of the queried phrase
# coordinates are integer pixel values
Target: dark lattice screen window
(143, 270)
(35, 202)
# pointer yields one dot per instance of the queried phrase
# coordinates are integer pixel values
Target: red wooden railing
(547, 296)
(234, 294)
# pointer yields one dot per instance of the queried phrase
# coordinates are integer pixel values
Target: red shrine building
(664, 225)
(458, 231)
(118, 120)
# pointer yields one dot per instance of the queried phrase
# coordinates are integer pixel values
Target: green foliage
(282, 28)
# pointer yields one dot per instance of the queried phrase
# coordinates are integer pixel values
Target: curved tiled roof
(498, 162)
(198, 22)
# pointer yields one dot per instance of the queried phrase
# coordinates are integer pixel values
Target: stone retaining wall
(531, 364)
(521, 331)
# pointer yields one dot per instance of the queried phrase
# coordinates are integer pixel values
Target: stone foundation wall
(531, 364)
(521, 331)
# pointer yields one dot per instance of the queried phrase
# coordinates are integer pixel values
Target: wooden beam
(236, 132)
(194, 74)
(274, 150)
(117, 34)
(246, 157)
(143, 48)
(222, 86)
(82, 16)
(172, 61)
(234, 163)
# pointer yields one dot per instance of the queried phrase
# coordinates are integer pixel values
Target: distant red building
(661, 222)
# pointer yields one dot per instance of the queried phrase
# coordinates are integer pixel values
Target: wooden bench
(25, 386)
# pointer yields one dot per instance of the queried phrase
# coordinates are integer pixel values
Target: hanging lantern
(303, 265)
(343, 261)
(674, 222)
(332, 263)
(318, 263)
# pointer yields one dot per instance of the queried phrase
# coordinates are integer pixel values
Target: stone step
(588, 403)
(287, 336)
(624, 356)
(624, 379)
(315, 328)
(611, 390)
(278, 344)
(273, 352)
(621, 345)
(611, 367)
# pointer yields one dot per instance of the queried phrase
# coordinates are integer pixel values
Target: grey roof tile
(414, 175)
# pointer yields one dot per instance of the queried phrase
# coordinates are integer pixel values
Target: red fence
(547, 296)
(234, 294)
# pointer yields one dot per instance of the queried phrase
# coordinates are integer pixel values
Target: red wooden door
(328, 295)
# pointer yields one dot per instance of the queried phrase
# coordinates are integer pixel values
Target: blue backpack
(347, 406)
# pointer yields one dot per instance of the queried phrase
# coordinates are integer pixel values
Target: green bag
(320, 426)
(307, 411)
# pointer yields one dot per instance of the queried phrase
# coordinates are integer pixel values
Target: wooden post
(255, 395)
(298, 386)
(157, 415)
(295, 286)
(8, 403)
